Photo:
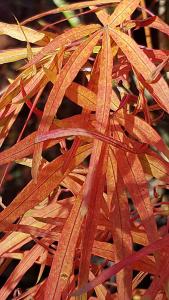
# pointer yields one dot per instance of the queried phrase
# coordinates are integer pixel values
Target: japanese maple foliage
(89, 209)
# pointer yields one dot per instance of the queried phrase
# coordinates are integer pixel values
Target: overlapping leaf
(108, 209)
(65, 78)
(63, 40)
(155, 246)
(94, 184)
(121, 226)
(158, 89)
(62, 264)
(48, 179)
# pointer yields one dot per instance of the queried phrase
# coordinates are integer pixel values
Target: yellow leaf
(15, 32)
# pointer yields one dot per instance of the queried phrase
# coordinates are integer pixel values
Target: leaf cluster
(93, 199)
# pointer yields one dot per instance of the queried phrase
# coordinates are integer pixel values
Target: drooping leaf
(7, 227)
(30, 88)
(16, 239)
(100, 290)
(157, 283)
(67, 75)
(121, 226)
(145, 68)
(61, 268)
(14, 278)
(160, 25)
(156, 55)
(82, 96)
(141, 130)
(155, 246)
(94, 184)
(21, 149)
(63, 40)
(49, 178)
(134, 179)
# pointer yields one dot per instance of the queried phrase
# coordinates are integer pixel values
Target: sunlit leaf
(159, 89)
(67, 75)
(15, 32)
(123, 11)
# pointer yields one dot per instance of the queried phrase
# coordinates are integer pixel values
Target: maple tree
(108, 154)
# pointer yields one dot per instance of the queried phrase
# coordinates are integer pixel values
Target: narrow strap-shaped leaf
(106, 274)
(26, 146)
(140, 129)
(17, 239)
(159, 89)
(121, 232)
(12, 55)
(92, 196)
(158, 282)
(22, 149)
(63, 40)
(24, 265)
(82, 96)
(66, 76)
(102, 15)
(104, 85)
(73, 6)
(31, 87)
(94, 184)
(49, 178)
(123, 11)
(7, 227)
(62, 263)
(15, 32)
(134, 179)
(101, 291)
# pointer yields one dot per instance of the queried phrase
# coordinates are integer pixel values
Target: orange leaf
(30, 88)
(61, 268)
(106, 274)
(82, 96)
(145, 68)
(103, 101)
(7, 227)
(133, 176)
(101, 291)
(49, 178)
(12, 55)
(66, 76)
(155, 167)
(158, 281)
(22, 149)
(63, 40)
(141, 130)
(14, 278)
(73, 6)
(94, 184)
(16, 239)
(14, 31)
(119, 213)
(122, 12)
